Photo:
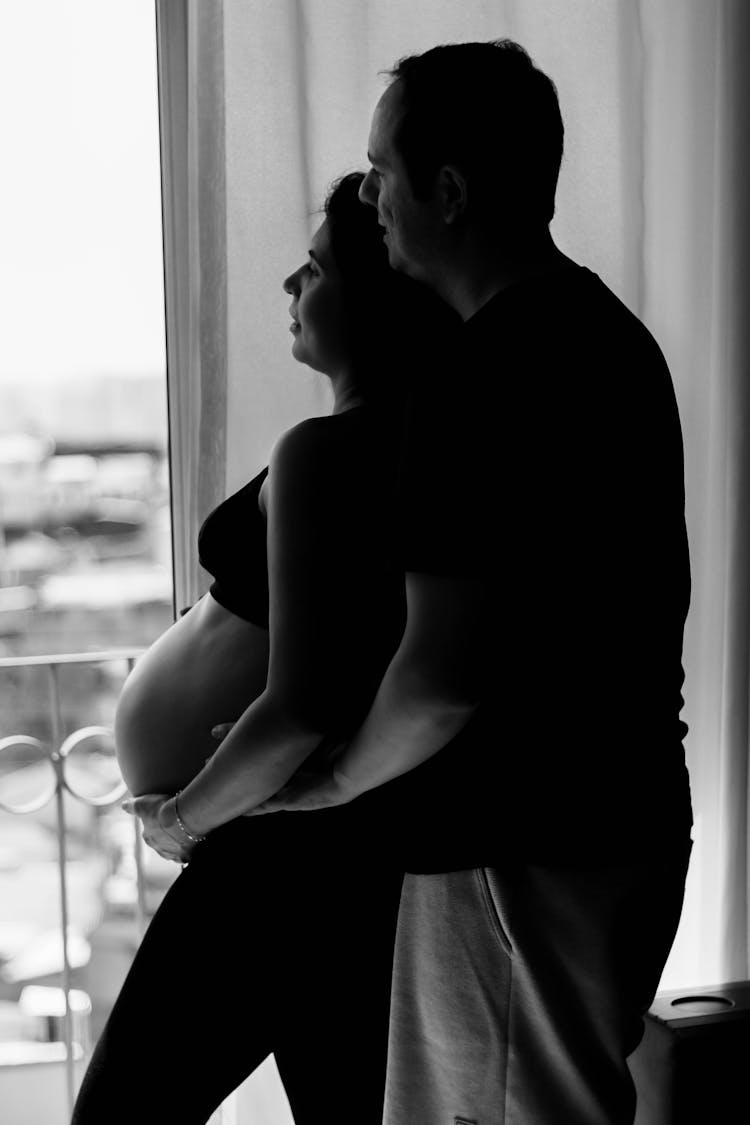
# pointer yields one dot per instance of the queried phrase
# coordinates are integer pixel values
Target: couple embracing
(436, 862)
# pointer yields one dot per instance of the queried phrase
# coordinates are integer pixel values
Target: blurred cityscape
(85, 552)
(85, 567)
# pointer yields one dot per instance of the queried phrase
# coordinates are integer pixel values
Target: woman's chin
(298, 351)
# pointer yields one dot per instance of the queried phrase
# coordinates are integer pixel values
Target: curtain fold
(193, 158)
(695, 266)
(733, 264)
(211, 346)
(275, 102)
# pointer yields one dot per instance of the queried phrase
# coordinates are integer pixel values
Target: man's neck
(476, 275)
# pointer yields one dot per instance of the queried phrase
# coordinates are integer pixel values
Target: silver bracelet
(178, 818)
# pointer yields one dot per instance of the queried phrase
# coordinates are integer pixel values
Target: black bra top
(232, 547)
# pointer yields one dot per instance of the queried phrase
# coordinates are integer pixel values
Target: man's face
(410, 224)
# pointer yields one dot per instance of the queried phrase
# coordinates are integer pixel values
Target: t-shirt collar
(518, 288)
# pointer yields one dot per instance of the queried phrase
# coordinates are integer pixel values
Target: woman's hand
(160, 829)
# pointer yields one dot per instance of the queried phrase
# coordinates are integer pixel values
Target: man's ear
(453, 193)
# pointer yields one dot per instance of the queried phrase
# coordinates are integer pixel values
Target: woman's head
(353, 315)
(317, 309)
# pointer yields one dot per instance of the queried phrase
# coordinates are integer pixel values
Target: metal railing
(57, 755)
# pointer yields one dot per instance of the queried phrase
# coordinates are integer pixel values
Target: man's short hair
(487, 109)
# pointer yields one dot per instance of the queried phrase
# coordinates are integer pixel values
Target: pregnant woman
(277, 937)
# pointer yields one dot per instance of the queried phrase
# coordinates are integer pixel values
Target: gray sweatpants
(518, 992)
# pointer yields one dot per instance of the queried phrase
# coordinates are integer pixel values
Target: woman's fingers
(164, 849)
(143, 805)
(154, 835)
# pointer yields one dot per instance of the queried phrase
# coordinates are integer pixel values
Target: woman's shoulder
(325, 441)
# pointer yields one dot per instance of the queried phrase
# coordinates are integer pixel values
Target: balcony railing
(58, 785)
(263, 1097)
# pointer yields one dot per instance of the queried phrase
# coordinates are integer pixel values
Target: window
(85, 530)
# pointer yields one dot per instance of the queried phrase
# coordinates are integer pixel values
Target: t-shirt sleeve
(444, 491)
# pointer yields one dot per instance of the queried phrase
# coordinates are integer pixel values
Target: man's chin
(397, 261)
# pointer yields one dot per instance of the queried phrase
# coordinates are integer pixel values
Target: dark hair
(393, 322)
(486, 108)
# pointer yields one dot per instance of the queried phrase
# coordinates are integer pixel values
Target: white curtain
(192, 119)
(695, 255)
(271, 101)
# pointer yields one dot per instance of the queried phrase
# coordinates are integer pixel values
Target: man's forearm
(261, 752)
(404, 727)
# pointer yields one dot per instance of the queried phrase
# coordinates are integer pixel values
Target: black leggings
(277, 938)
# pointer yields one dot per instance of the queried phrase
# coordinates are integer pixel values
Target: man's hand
(160, 829)
(307, 791)
(221, 730)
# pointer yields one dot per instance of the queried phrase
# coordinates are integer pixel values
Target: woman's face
(317, 309)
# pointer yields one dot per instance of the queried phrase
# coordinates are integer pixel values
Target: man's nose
(367, 193)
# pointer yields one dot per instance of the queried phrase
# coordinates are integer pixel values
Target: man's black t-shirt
(547, 458)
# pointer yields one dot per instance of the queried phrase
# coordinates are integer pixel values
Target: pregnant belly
(207, 668)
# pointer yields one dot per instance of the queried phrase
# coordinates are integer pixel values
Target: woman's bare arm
(313, 563)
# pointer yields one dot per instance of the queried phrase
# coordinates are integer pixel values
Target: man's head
(467, 137)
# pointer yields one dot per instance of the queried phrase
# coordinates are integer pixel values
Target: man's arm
(431, 687)
(429, 692)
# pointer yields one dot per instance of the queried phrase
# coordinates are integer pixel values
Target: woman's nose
(289, 283)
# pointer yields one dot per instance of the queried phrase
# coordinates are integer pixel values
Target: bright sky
(81, 287)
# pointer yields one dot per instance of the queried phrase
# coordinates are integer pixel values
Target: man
(531, 713)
